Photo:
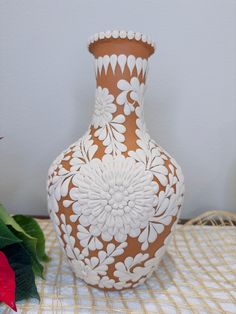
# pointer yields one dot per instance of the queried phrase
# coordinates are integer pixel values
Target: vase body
(115, 195)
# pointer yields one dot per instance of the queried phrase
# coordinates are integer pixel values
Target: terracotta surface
(61, 215)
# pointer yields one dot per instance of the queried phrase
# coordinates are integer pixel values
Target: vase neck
(121, 72)
(124, 77)
(119, 98)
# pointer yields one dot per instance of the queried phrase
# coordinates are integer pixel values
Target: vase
(114, 195)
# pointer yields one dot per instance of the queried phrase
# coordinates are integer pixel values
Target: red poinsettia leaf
(7, 282)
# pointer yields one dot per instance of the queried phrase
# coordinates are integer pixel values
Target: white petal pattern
(103, 63)
(136, 194)
(115, 195)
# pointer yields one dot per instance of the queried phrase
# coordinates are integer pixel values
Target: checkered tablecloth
(196, 275)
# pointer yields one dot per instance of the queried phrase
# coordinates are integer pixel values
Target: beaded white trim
(122, 34)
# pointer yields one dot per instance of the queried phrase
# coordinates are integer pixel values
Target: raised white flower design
(104, 107)
(138, 268)
(135, 194)
(57, 175)
(127, 271)
(141, 131)
(150, 265)
(88, 238)
(149, 152)
(110, 130)
(82, 152)
(112, 135)
(166, 209)
(153, 161)
(116, 196)
(86, 272)
(69, 241)
(132, 92)
(93, 270)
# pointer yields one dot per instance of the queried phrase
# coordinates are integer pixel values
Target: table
(196, 275)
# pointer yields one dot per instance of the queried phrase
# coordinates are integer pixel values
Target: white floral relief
(149, 153)
(88, 238)
(69, 240)
(112, 135)
(116, 197)
(169, 203)
(56, 225)
(153, 161)
(135, 270)
(93, 270)
(141, 130)
(59, 177)
(132, 93)
(66, 239)
(82, 152)
(104, 107)
(108, 129)
(151, 265)
(79, 153)
(129, 271)
(169, 199)
(57, 174)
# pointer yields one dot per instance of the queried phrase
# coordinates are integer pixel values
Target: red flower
(7, 282)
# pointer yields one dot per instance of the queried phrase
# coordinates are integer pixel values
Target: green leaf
(8, 220)
(32, 228)
(6, 236)
(29, 242)
(20, 261)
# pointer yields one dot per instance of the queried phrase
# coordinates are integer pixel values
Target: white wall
(47, 89)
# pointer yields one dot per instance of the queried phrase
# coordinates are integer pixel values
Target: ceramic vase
(115, 195)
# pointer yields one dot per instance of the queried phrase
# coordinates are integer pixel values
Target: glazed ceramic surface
(115, 195)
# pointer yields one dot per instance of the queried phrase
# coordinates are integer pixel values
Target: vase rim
(122, 34)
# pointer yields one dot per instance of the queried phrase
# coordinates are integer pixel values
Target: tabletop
(196, 275)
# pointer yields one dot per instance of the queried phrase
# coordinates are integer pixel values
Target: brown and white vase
(115, 195)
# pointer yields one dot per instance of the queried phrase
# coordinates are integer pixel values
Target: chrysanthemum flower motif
(104, 107)
(116, 196)
(132, 92)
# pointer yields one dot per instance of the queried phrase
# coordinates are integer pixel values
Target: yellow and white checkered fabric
(197, 275)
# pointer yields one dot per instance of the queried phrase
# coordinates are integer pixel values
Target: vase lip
(122, 34)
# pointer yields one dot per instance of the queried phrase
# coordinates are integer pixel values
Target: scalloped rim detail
(122, 34)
